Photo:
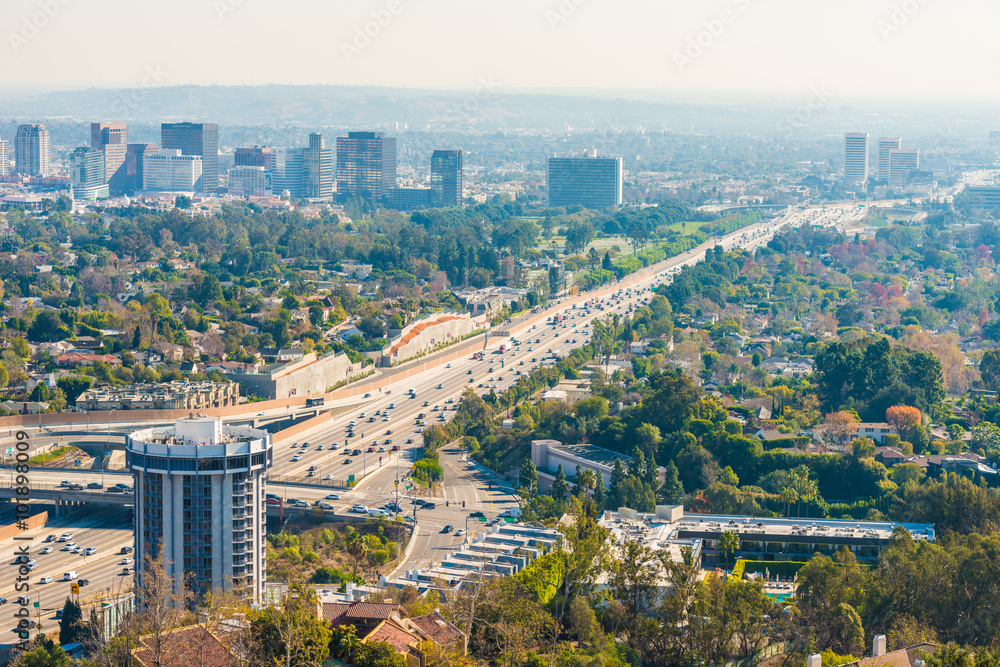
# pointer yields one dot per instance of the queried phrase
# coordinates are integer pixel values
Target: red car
(371, 449)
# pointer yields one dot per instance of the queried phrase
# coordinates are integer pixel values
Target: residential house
(184, 647)
(75, 359)
(912, 656)
(25, 408)
(439, 630)
(874, 430)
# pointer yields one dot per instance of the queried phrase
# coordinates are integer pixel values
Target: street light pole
(108, 447)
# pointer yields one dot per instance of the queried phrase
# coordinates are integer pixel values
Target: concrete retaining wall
(423, 335)
(309, 376)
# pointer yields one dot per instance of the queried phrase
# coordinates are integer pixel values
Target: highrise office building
(937, 163)
(249, 182)
(366, 165)
(317, 169)
(87, 174)
(885, 145)
(286, 175)
(856, 157)
(256, 156)
(32, 150)
(446, 178)
(199, 502)
(901, 162)
(589, 181)
(200, 139)
(167, 170)
(112, 140)
(4, 157)
(134, 156)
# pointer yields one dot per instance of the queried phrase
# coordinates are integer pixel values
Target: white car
(90, 551)
(359, 508)
(46, 550)
(333, 496)
(125, 561)
(325, 505)
(460, 532)
(45, 580)
(327, 478)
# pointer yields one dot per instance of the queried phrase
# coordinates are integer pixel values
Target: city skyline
(654, 50)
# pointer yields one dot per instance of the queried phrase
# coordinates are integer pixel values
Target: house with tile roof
(192, 646)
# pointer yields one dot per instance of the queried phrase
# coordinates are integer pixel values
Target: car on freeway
(346, 461)
(441, 385)
(66, 482)
(83, 582)
(3, 600)
(51, 538)
(273, 501)
(45, 580)
(472, 380)
(320, 448)
(95, 485)
(126, 571)
(332, 496)
(468, 372)
(327, 478)
(46, 550)
(90, 551)
(371, 449)
(126, 550)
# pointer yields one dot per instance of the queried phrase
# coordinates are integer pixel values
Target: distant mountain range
(486, 108)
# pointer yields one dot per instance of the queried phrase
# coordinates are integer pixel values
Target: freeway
(107, 531)
(388, 418)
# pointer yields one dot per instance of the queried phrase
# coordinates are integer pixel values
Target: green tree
(729, 542)
(290, 633)
(73, 386)
(378, 654)
(71, 623)
(606, 262)
(47, 655)
(989, 368)
(20, 347)
(529, 476)
(673, 490)
(560, 489)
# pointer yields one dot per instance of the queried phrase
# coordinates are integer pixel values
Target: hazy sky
(842, 48)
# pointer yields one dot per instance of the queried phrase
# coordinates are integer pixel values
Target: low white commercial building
(547, 455)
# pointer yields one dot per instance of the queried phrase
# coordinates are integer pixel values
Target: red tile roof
(340, 613)
(435, 626)
(185, 647)
(394, 636)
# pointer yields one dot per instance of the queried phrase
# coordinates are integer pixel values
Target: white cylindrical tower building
(199, 502)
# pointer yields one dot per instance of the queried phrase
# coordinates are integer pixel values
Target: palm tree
(357, 548)
(788, 496)
(728, 542)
